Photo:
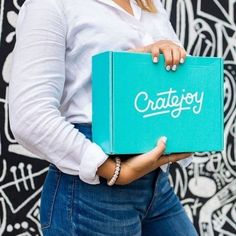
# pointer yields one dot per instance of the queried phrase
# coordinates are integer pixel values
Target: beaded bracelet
(116, 173)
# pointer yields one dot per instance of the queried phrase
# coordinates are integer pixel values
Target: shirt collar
(136, 9)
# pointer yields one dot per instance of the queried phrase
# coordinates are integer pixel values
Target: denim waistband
(85, 128)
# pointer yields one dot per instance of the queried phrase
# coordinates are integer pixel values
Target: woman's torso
(94, 26)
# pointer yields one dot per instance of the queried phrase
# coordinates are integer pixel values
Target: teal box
(135, 101)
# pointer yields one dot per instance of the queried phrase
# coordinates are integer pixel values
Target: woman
(50, 115)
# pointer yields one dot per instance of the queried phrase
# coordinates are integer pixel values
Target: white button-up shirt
(50, 85)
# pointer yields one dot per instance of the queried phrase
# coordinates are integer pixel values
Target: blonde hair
(147, 5)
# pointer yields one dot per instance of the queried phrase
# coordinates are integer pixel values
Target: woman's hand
(173, 53)
(140, 165)
(137, 166)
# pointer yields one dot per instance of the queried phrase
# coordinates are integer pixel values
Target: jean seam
(76, 183)
(70, 207)
(154, 195)
(69, 200)
(72, 198)
(52, 204)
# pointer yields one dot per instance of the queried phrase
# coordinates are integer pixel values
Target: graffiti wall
(207, 188)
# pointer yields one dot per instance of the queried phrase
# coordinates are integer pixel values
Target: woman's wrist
(124, 176)
(116, 172)
(107, 169)
(131, 169)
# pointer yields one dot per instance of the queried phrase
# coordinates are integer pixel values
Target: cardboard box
(136, 101)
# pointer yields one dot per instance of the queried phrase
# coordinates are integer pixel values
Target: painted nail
(163, 139)
(155, 59)
(181, 60)
(174, 67)
(168, 68)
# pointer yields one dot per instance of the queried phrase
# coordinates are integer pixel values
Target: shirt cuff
(186, 162)
(93, 157)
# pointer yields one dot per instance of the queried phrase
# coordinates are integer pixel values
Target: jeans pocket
(48, 196)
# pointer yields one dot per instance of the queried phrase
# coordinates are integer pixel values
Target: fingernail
(181, 60)
(155, 59)
(168, 68)
(174, 67)
(163, 139)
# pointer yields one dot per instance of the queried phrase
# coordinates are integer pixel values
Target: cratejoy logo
(168, 102)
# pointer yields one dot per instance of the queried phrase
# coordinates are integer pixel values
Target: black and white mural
(207, 187)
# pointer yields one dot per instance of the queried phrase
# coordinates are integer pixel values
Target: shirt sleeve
(165, 27)
(35, 89)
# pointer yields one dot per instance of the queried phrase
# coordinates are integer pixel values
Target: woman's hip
(69, 204)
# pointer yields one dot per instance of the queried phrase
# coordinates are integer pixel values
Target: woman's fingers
(142, 164)
(167, 52)
(173, 53)
(160, 148)
(174, 157)
(158, 151)
(180, 156)
(136, 50)
(176, 56)
(155, 54)
(141, 49)
(183, 55)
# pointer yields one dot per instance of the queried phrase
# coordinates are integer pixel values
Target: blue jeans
(146, 207)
